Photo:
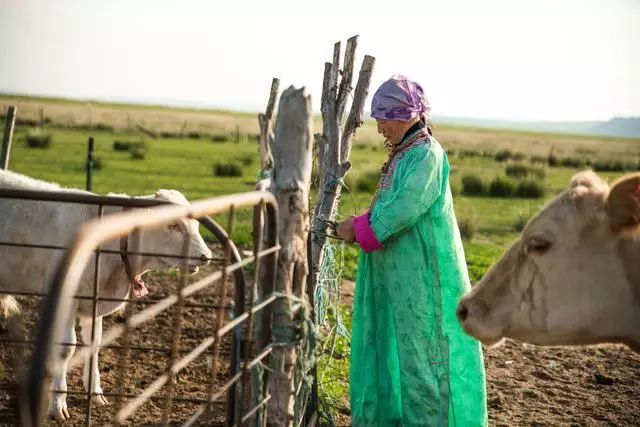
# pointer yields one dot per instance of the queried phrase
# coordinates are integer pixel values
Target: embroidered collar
(410, 138)
(408, 141)
(420, 136)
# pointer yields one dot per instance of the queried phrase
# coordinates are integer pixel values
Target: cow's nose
(204, 258)
(462, 312)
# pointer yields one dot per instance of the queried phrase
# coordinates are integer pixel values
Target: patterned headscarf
(400, 99)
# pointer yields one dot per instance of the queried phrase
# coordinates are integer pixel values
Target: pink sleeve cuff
(364, 234)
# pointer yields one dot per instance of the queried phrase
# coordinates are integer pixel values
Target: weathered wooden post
(262, 331)
(90, 164)
(9, 123)
(266, 132)
(334, 145)
(290, 183)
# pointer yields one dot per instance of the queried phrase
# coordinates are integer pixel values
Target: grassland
(185, 160)
(124, 117)
(185, 157)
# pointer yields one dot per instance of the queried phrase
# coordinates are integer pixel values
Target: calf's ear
(623, 204)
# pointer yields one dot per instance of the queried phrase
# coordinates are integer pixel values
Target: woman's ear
(623, 203)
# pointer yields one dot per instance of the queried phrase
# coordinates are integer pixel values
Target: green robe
(411, 362)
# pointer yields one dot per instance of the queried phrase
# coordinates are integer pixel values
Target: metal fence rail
(129, 203)
(87, 243)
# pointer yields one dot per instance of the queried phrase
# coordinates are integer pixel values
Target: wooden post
(264, 184)
(9, 123)
(89, 163)
(290, 184)
(334, 145)
(266, 132)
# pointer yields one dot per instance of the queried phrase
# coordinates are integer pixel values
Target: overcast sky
(536, 60)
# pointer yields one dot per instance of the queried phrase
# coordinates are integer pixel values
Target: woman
(411, 363)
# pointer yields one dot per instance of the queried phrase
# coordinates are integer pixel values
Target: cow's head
(170, 238)
(568, 271)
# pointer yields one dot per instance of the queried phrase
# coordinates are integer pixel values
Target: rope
(329, 279)
(327, 301)
(327, 293)
(264, 174)
(301, 333)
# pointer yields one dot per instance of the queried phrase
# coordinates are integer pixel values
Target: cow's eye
(538, 245)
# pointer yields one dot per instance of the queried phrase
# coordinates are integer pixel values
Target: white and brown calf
(56, 223)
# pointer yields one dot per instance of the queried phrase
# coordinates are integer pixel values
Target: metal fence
(241, 406)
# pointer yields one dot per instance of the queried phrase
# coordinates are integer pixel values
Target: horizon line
(183, 104)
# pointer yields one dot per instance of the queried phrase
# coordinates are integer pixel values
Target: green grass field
(186, 164)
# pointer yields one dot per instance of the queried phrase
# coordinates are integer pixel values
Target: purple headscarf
(400, 99)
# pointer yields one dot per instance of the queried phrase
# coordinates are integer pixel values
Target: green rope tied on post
(327, 308)
(301, 333)
(264, 174)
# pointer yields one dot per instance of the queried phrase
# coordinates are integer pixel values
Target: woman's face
(392, 130)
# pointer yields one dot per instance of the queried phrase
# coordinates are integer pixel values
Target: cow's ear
(157, 194)
(588, 193)
(623, 203)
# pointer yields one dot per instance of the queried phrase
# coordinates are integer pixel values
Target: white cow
(55, 223)
(573, 277)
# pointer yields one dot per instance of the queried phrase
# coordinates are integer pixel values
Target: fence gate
(201, 363)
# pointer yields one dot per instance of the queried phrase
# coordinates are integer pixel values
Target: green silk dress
(411, 362)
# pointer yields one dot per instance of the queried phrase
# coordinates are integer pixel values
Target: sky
(552, 60)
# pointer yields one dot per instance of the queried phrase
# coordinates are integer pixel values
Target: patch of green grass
(473, 185)
(333, 370)
(368, 182)
(231, 169)
(530, 189)
(468, 226)
(98, 164)
(139, 151)
(501, 187)
(479, 256)
(350, 261)
(521, 221)
(38, 138)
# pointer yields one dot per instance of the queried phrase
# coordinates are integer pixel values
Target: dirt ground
(143, 366)
(527, 386)
(558, 386)
(562, 386)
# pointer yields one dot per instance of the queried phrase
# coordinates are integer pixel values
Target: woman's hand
(346, 231)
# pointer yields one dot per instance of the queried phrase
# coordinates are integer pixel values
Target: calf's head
(568, 271)
(170, 238)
